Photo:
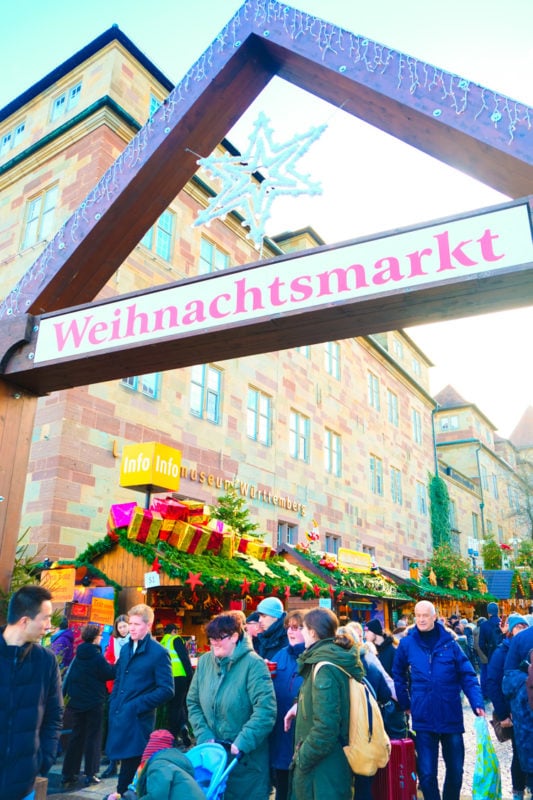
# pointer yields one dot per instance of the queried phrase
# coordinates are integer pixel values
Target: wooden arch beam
(485, 134)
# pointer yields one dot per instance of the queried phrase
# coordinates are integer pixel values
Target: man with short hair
(31, 701)
(273, 634)
(430, 670)
(143, 682)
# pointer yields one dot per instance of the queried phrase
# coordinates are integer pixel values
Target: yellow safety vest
(178, 670)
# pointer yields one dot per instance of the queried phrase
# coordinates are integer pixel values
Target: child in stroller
(166, 773)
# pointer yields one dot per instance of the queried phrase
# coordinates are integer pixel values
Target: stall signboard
(102, 611)
(354, 560)
(60, 583)
(150, 467)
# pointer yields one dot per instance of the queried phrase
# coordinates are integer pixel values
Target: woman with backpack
(320, 767)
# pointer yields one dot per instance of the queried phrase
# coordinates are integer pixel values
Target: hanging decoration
(194, 580)
(252, 181)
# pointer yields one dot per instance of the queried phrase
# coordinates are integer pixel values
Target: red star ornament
(245, 586)
(194, 580)
(332, 592)
(156, 566)
(261, 587)
(316, 590)
(287, 592)
(275, 590)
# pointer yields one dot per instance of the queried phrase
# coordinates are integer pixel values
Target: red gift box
(169, 508)
(145, 525)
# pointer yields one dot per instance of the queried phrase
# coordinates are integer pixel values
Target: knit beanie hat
(515, 619)
(492, 609)
(272, 607)
(159, 740)
(375, 626)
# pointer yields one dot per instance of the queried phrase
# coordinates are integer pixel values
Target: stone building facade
(341, 432)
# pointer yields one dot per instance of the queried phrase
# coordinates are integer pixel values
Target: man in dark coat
(490, 636)
(430, 670)
(143, 682)
(31, 702)
(514, 688)
(274, 633)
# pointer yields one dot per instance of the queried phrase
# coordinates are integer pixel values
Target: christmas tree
(233, 511)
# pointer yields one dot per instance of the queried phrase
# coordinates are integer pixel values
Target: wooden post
(17, 413)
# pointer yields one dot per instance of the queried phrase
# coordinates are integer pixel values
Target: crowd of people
(273, 689)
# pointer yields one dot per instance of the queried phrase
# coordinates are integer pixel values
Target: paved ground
(503, 751)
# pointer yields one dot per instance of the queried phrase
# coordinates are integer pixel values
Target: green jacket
(232, 699)
(168, 775)
(321, 770)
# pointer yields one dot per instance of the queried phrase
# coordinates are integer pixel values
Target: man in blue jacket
(430, 670)
(143, 682)
(31, 702)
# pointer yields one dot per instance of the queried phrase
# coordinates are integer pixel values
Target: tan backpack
(368, 747)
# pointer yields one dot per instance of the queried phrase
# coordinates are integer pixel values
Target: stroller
(210, 770)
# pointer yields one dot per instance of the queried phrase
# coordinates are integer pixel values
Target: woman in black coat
(85, 694)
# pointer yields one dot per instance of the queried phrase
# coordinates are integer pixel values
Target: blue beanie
(492, 609)
(515, 619)
(271, 607)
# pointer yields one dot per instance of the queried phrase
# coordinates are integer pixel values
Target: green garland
(423, 588)
(217, 574)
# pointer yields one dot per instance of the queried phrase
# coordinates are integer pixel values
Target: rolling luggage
(397, 781)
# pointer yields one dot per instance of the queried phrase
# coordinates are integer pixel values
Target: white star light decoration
(276, 165)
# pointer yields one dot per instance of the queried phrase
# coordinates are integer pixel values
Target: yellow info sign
(150, 467)
(354, 560)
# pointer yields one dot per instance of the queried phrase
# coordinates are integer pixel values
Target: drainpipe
(435, 459)
(482, 502)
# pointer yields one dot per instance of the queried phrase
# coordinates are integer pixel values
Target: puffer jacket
(321, 770)
(514, 689)
(287, 682)
(495, 671)
(31, 714)
(269, 642)
(168, 775)
(85, 682)
(232, 699)
(143, 682)
(429, 682)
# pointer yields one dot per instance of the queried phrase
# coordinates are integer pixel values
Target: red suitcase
(397, 781)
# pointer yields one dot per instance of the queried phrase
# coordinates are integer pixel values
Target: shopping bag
(487, 784)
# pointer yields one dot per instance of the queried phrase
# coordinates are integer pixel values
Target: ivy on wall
(440, 511)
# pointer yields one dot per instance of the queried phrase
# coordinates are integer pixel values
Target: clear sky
(487, 359)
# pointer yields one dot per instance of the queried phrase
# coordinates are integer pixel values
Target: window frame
(374, 400)
(216, 253)
(393, 408)
(258, 414)
(42, 222)
(299, 436)
(376, 475)
(135, 383)
(396, 486)
(208, 393)
(416, 425)
(332, 359)
(332, 453)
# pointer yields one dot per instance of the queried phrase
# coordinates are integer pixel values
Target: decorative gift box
(145, 525)
(167, 528)
(119, 517)
(169, 508)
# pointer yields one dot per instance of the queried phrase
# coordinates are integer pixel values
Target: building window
(332, 543)
(332, 453)
(416, 420)
(396, 486)
(421, 499)
(259, 416)
(66, 101)
(299, 429)
(332, 358)
(40, 217)
(500, 533)
(475, 526)
(406, 563)
(161, 235)
(206, 382)
(211, 258)
(449, 423)
(417, 367)
(484, 477)
(149, 385)
(495, 491)
(373, 391)
(397, 349)
(514, 498)
(392, 408)
(155, 102)
(12, 138)
(376, 475)
(452, 515)
(287, 534)
(490, 529)
(304, 350)
(369, 550)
